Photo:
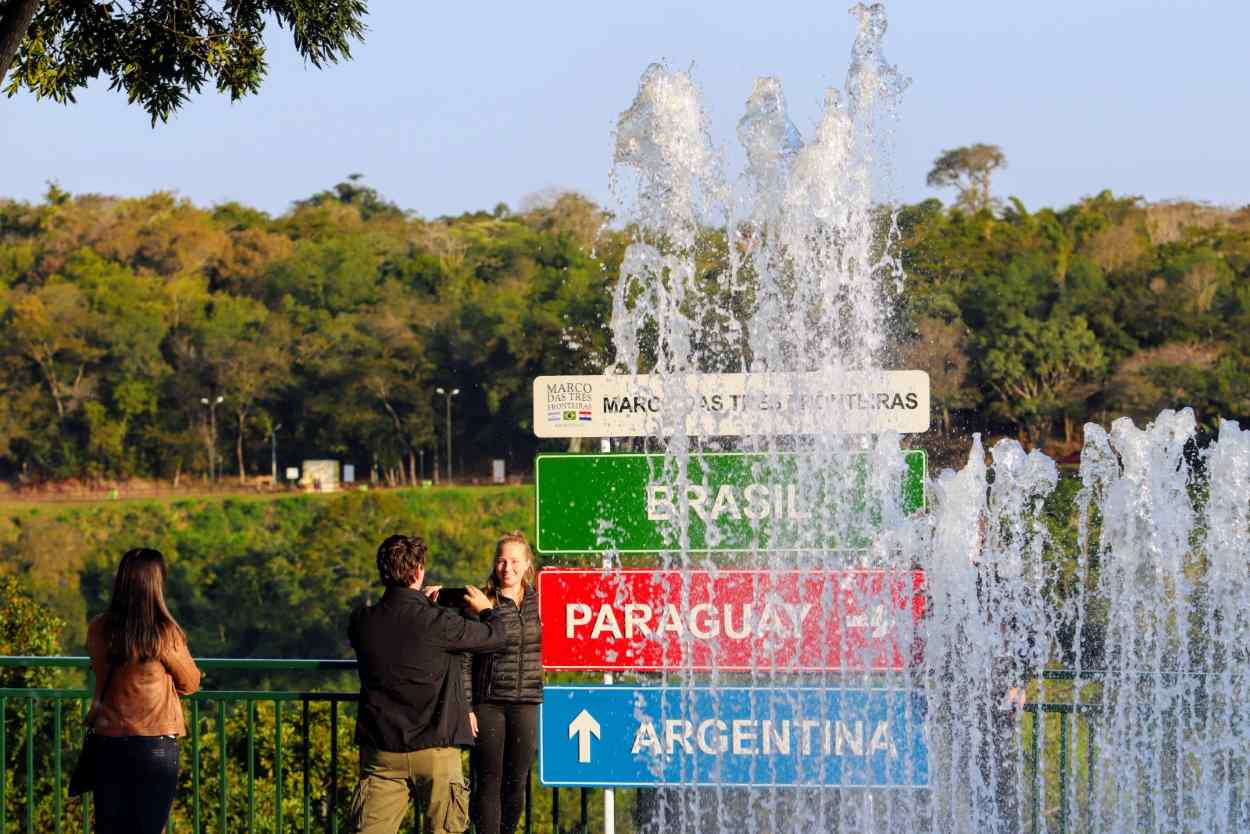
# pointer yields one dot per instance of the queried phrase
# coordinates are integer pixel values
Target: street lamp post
(447, 425)
(273, 453)
(211, 405)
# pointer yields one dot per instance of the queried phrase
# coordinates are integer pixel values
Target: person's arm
(462, 634)
(181, 667)
(466, 677)
(97, 650)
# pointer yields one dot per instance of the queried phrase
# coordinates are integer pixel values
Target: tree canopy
(160, 52)
(968, 169)
(337, 319)
(26, 628)
(1105, 308)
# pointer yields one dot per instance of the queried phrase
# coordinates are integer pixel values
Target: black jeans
(507, 737)
(138, 776)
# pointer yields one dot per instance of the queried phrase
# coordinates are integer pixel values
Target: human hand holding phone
(475, 600)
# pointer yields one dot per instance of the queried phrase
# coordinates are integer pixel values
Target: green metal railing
(235, 810)
(300, 743)
(280, 761)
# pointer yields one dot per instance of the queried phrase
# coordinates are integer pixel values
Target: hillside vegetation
(249, 577)
(326, 331)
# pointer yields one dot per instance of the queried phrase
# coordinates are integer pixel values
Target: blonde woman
(507, 689)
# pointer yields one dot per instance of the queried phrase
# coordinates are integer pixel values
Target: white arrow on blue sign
(583, 726)
(642, 736)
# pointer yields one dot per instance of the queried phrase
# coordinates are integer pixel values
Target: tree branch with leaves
(161, 52)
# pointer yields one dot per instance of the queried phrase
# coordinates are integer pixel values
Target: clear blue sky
(450, 107)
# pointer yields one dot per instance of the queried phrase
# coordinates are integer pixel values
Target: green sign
(730, 502)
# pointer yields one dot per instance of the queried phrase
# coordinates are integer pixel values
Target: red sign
(733, 620)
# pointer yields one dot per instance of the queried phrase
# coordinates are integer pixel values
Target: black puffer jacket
(514, 674)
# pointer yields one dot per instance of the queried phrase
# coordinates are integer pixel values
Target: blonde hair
(527, 581)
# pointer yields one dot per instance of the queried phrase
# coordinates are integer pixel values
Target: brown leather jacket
(142, 698)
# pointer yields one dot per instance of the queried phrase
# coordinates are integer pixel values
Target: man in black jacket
(414, 710)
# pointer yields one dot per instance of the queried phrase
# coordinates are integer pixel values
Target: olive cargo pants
(432, 776)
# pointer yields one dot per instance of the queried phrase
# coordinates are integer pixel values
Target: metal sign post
(609, 795)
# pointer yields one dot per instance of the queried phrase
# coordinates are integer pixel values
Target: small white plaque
(735, 405)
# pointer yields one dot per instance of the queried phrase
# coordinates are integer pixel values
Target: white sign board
(320, 475)
(732, 404)
(498, 471)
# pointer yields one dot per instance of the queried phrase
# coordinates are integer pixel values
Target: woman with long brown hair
(142, 665)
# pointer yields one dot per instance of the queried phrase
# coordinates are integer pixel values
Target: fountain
(1137, 640)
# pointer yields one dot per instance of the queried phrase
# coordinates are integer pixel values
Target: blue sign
(798, 737)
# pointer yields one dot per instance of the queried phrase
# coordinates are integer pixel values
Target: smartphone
(451, 597)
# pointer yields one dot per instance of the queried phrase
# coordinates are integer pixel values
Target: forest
(150, 338)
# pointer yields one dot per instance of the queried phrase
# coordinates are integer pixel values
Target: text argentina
(756, 737)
